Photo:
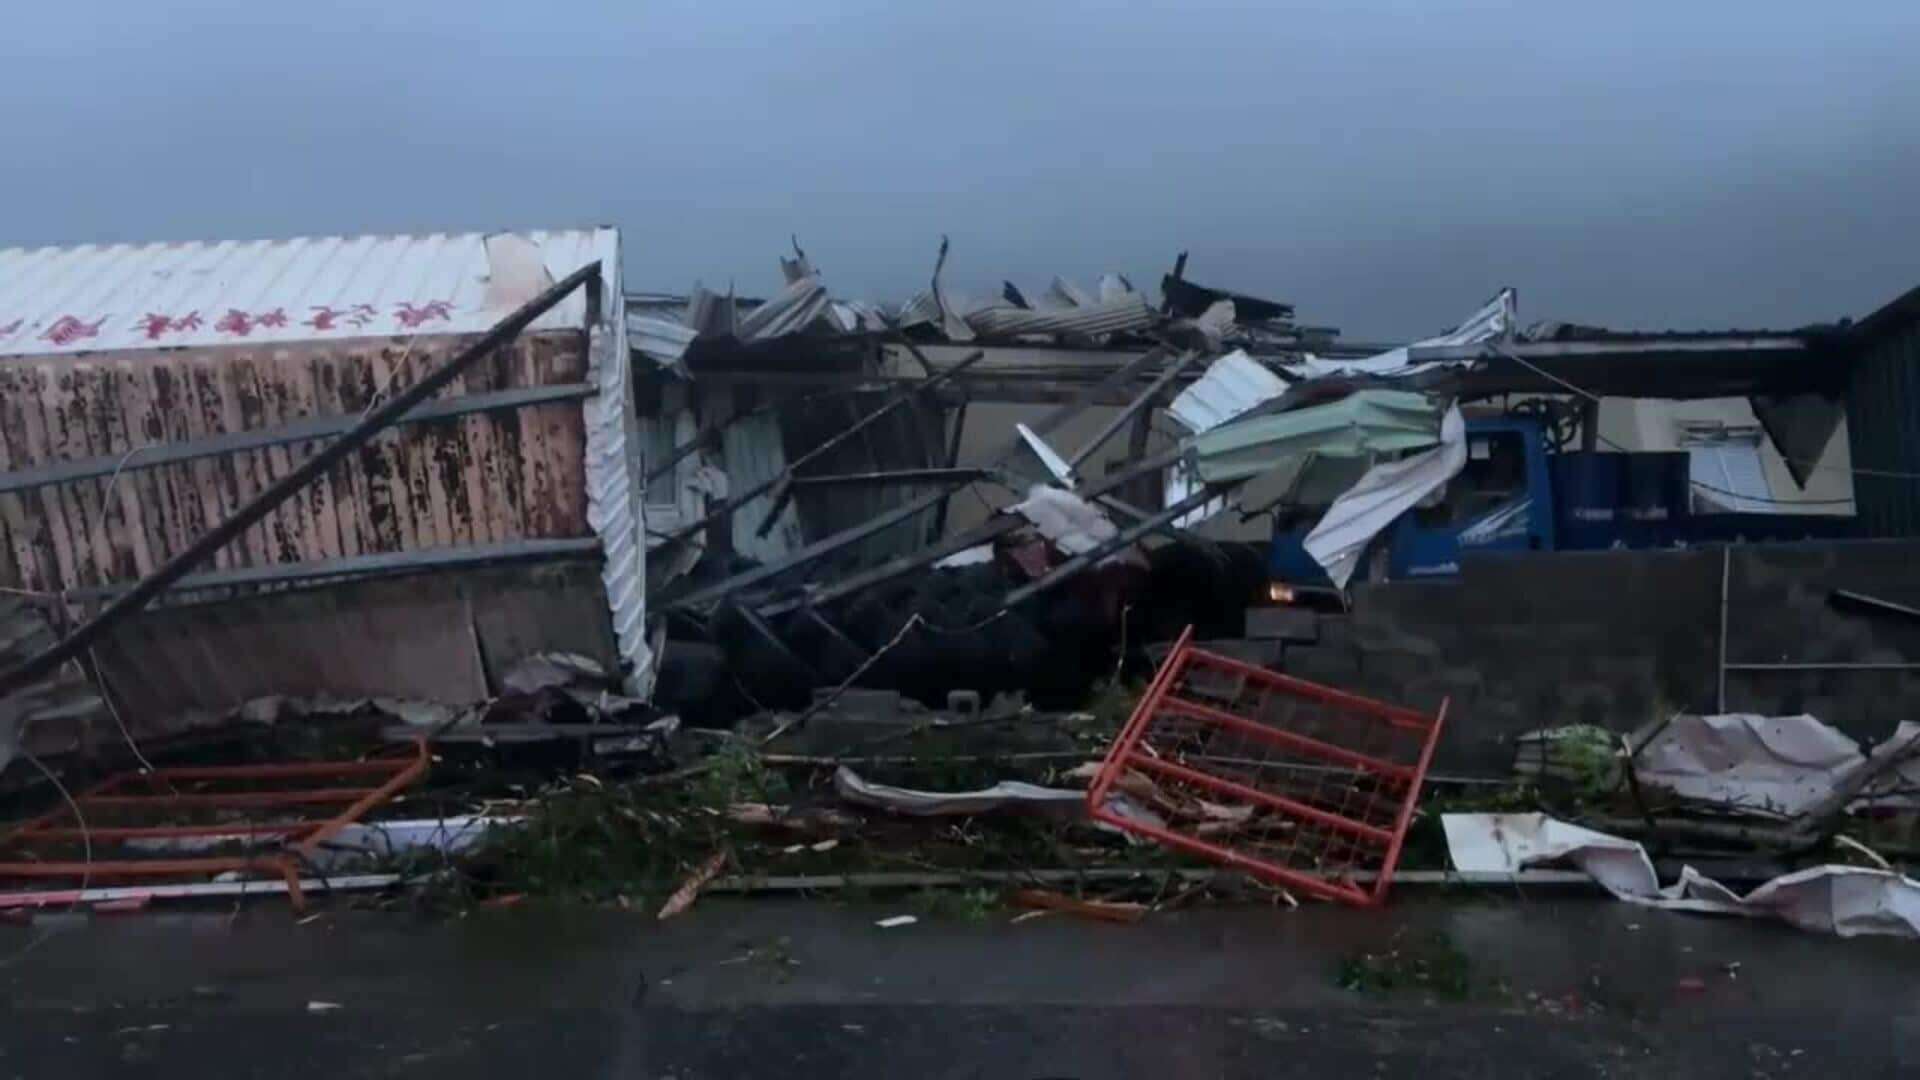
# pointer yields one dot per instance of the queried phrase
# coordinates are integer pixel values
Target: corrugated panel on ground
(1883, 426)
(473, 479)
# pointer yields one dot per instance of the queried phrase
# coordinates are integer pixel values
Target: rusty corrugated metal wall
(473, 479)
(1883, 424)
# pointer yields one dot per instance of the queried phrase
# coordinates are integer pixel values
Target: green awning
(1360, 425)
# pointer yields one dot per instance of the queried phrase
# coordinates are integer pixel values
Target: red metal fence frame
(1160, 700)
(301, 837)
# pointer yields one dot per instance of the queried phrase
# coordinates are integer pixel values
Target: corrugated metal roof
(798, 305)
(1232, 384)
(1128, 311)
(661, 340)
(124, 296)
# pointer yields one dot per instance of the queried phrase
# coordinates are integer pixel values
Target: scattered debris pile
(831, 680)
(1786, 800)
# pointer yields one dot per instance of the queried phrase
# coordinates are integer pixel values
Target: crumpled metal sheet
(1774, 766)
(1381, 496)
(1071, 523)
(1494, 319)
(1842, 900)
(1367, 422)
(1743, 763)
(796, 308)
(1008, 794)
(1125, 312)
(1229, 387)
(614, 485)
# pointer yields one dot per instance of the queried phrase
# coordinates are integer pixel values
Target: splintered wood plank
(302, 401)
(95, 407)
(113, 399)
(241, 470)
(66, 441)
(27, 527)
(133, 386)
(389, 510)
(83, 422)
(415, 470)
(431, 503)
(477, 437)
(536, 457)
(10, 575)
(55, 501)
(21, 568)
(165, 421)
(566, 440)
(349, 499)
(196, 393)
(459, 469)
(503, 468)
(566, 357)
(284, 526)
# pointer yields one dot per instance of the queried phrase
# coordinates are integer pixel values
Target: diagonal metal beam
(1144, 401)
(902, 397)
(989, 530)
(1131, 533)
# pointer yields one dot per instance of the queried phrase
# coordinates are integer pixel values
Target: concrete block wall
(1523, 642)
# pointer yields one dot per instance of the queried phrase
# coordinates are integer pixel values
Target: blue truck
(1518, 493)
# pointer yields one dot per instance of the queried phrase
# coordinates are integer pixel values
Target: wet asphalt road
(1557, 987)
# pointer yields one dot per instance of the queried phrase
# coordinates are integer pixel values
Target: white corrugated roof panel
(123, 296)
(1231, 385)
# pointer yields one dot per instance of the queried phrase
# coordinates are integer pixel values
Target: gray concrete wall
(1619, 638)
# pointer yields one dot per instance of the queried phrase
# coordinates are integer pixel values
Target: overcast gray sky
(1386, 166)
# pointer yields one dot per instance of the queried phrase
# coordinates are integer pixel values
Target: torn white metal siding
(615, 481)
(1231, 385)
(124, 296)
(1494, 321)
(1381, 496)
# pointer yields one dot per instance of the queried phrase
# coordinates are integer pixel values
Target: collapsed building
(733, 504)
